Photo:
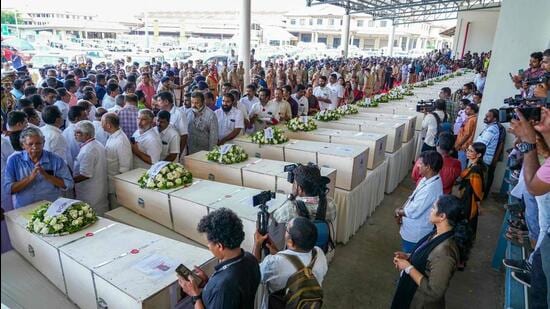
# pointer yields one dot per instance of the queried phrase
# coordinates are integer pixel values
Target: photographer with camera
(308, 199)
(236, 278)
(433, 124)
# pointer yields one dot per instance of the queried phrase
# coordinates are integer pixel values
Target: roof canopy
(409, 11)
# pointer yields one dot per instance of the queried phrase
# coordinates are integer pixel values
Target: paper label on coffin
(43, 251)
(153, 204)
(59, 206)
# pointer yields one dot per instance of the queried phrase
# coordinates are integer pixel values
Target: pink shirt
(544, 171)
(73, 100)
(149, 91)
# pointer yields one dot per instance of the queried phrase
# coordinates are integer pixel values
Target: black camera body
(530, 108)
(290, 170)
(425, 106)
(260, 200)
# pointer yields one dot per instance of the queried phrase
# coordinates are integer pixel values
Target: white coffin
(394, 131)
(43, 251)
(101, 270)
(410, 122)
(202, 168)
(266, 151)
(269, 175)
(189, 205)
(153, 204)
(340, 124)
(128, 217)
(350, 161)
(403, 109)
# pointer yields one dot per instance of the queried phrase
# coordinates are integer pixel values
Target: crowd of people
(68, 129)
(454, 174)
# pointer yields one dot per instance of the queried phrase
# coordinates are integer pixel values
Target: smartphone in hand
(188, 274)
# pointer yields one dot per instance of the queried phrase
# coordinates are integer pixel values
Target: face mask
(226, 108)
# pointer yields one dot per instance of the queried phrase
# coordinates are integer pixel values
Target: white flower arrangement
(172, 175)
(347, 110)
(381, 98)
(367, 102)
(235, 154)
(73, 219)
(278, 137)
(301, 124)
(327, 115)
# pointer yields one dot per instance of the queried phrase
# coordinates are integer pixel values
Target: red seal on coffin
(134, 251)
(89, 234)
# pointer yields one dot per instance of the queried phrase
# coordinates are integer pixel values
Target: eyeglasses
(470, 150)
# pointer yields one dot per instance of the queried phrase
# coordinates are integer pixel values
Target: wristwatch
(408, 269)
(526, 147)
(194, 299)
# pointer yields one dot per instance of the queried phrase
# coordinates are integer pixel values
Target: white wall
(515, 39)
(483, 24)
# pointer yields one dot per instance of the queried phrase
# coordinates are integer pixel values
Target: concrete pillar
(244, 54)
(408, 44)
(345, 34)
(515, 20)
(146, 29)
(377, 43)
(400, 45)
(351, 39)
(390, 39)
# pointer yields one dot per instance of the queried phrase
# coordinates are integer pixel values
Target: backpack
(302, 290)
(324, 238)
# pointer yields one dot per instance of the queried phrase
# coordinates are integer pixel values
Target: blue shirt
(489, 136)
(219, 102)
(16, 93)
(20, 166)
(416, 223)
(100, 92)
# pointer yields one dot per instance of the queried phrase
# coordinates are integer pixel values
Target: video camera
(530, 108)
(290, 170)
(427, 106)
(260, 200)
(539, 80)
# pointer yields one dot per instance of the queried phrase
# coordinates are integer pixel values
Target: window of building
(319, 21)
(355, 42)
(331, 22)
(322, 40)
(383, 23)
(302, 21)
(370, 24)
(293, 21)
(369, 43)
(305, 37)
(336, 42)
(311, 21)
(341, 22)
(360, 23)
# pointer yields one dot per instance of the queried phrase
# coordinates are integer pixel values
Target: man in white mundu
(90, 168)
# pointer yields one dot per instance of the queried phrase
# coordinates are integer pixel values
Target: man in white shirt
(336, 92)
(250, 98)
(118, 153)
(90, 170)
(415, 214)
(146, 143)
(76, 114)
(230, 120)
(54, 141)
(323, 93)
(276, 268)
(108, 101)
(63, 99)
(300, 98)
(265, 112)
(178, 119)
(169, 137)
(430, 125)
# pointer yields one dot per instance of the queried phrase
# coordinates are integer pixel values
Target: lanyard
(424, 184)
(87, 142)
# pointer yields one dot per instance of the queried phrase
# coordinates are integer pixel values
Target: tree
(9, 17)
